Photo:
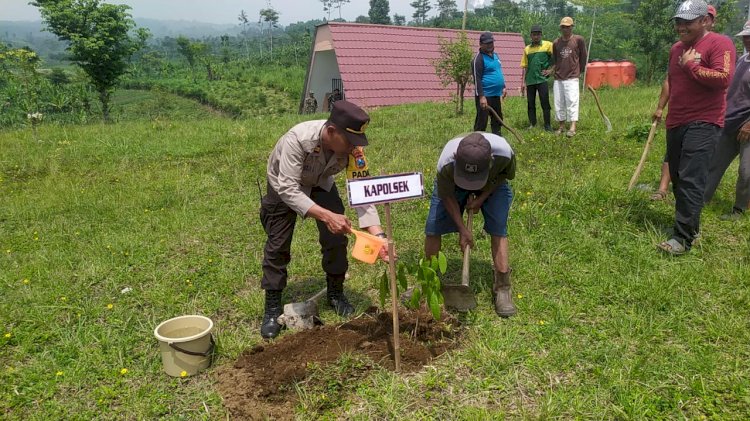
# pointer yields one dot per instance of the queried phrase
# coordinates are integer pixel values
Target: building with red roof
(379, 65)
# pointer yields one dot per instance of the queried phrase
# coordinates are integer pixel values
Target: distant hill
(19, 34)
(16, 31)
(191, 29)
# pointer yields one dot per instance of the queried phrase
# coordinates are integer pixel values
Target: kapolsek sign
(384, 189)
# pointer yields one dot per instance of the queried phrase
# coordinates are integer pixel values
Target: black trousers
(480, 122)
(689, 151)
(531, 91)
(279, 220)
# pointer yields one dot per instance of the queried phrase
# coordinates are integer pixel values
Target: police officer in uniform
(300, 182)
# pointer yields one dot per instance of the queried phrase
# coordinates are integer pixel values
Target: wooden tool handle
(596, 98)
(502, 123)
(639, 168)
(317, 295)
(467, 250)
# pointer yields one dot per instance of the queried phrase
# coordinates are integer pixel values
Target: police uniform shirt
(298, 163)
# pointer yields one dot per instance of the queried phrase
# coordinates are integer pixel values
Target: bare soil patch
(261, 383)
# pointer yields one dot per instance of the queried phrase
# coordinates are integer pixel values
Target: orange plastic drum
(628, 72)
(614, 74)
(596, 74)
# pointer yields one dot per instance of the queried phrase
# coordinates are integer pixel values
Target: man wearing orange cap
(569, 53)
(300, 182)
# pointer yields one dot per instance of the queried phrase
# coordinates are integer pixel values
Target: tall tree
(338, 4)
(99, 39)
(244, 20)
(421, 8)
(327, 7)
(446, 8)
(271, 17)
(379, 12)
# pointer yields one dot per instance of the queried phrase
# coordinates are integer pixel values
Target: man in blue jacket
(489, 83)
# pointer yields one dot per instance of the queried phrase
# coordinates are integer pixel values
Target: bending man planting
(300, 182)
(479, 164)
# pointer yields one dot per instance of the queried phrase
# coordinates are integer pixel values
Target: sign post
(385, 190)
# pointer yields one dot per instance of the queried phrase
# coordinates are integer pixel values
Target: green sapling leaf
(443, 262)
(383, 288)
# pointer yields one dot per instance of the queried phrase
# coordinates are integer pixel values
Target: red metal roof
(387, 65)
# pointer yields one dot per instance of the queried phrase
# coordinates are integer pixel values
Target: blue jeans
(495, 210)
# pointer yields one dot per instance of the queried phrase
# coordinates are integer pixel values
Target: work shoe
(673, 247)
(270, 327)
(336, 297)
(735, 215)
(504, 306)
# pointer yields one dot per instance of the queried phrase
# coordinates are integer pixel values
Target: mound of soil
(260, 384)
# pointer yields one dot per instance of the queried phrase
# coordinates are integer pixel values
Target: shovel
(502, 123)
(639, 168)
(304, 315)
(599, 105)
(461, 297)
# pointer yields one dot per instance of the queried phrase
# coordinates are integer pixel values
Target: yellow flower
(520, 296)
(7, 251)
(542, 322)
(7, 335)
(59, 373)
(26, 281)
(183, 373)
(63, 298)
(110, 306)
(210, 260)
(124, 371)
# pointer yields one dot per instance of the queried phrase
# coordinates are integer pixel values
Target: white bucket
(186, 344)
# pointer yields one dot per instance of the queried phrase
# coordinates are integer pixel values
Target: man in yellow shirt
(535, 66)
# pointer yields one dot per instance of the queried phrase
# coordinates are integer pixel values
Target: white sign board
(384, 189)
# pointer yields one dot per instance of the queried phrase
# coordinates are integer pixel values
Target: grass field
(607, 327)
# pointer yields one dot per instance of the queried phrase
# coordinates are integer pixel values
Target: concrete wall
(324, 68)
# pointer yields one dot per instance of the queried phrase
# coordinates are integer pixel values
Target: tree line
(104, 42)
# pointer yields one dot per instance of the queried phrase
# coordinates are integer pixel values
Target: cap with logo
(745, 30)
(691, 9)
(536, 28)
(473, 161)
(352, 121)
(567, 21)
(486, 38)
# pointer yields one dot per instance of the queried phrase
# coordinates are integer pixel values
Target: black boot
(271, 327)
(336, 297)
